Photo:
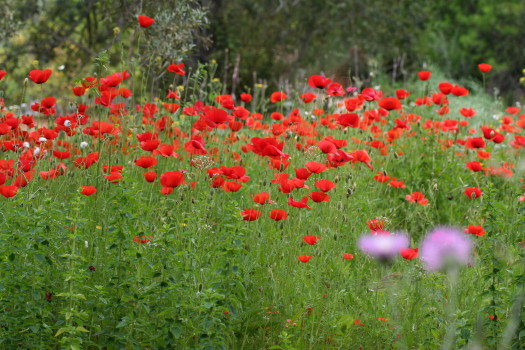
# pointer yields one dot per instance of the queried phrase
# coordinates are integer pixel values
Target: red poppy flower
(315, 167)
(397, 183)
(301, 204)
(177, 68)
(40, 76)
(390, 103)
(146, 162)
(171, 107)
(241, 112)
(483, 154)
(235, 173)
(361, 156)
(459, 91)
(467, 112)
(112, 168)
(304, 258)
(302, 173)
(409, 253)
(417, 197)
(484, 67)
(114, 177)
(474, 166)
(149, 176)
(369, 94)
(475, 230)
(475, 142)
(473, 192)
(166, 190)
(23, 179)
(2, 74)
(150, 145)
(348, 119)
(324, 185)
(267, 147)
(145, 21)
(278, 214)
(327, 146)
(319, 197)
(381, 178)
(335, 89)
(215, 117)
(311, 240)
(195, 146)
(347, 256)
(166, 150)
(87, 161)
(277, 116)
(445, 88)
(171, 179)
(318, 81)
(8, 191)
(278, 96)
(262, 198)
(376, 224)
(251, 214)
(88, 190)
(424, 75)
(402, 94)
(173, 94)
(61, 154)
(231, 186)
(79, 90)
(308, 97)
(142, 239)
(235, 125)
(246, 98)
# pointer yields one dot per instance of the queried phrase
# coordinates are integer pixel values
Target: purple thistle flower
(383, 246)
(444, 246)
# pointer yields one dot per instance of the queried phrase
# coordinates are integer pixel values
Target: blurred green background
(270, 42)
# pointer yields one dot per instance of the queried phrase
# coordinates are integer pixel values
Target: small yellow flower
(116, 30)
(99, 227)
(214, 61)
(184, 224)
(522, 80)
(180, 87)
(215, 80)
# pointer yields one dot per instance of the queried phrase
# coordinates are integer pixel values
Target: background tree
(70, 33)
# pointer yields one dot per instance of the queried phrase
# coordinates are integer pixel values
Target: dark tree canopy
(271, 40)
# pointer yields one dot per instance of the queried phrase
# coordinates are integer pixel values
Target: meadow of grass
(180, 248)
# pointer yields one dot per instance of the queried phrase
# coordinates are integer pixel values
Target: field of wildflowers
(321, 217)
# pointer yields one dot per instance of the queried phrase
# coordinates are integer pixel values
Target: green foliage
(69, 34)
(356, 39)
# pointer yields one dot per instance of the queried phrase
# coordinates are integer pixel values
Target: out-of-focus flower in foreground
(445, 247)
(384, 246)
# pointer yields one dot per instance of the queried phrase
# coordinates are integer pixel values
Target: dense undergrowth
(206, 221)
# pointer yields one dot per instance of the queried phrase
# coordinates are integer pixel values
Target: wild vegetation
(317, 216)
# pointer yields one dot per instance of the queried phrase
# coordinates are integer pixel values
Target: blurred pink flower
(383, 246)
(443, 247)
